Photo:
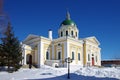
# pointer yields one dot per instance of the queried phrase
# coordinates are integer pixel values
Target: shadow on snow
(74, 77)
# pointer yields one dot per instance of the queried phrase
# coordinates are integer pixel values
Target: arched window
(66, 33)
(59, 55)
(88, 57)
(72, 33)
(47, 55)
(73, 56)
(61, 33)
(79, 56)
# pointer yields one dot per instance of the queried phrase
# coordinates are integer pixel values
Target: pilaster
(24, 54)
(39, 44)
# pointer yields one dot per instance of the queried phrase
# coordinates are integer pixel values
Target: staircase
(27, 66)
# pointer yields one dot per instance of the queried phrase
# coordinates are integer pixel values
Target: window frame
(59, 55)
(76, 34)
(79, 56)
(88, 57)
(73, 57)
(47, 55)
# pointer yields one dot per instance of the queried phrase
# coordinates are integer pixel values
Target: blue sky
(99, 18)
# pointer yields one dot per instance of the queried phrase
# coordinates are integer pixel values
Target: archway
(29, 59)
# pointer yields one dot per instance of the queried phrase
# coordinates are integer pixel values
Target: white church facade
(41, 50)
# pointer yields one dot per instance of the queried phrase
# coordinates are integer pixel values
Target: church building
(40, 50)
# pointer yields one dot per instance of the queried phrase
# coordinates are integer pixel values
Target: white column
(99, 58)
(40, 54)
(91, 52)
(24, 63)
(66, 52)
(23, 55)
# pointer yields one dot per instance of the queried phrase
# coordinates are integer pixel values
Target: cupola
(68, 28)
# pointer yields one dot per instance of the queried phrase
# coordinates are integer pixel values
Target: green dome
(68, 22)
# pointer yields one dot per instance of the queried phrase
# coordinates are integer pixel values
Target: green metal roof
(68, 22)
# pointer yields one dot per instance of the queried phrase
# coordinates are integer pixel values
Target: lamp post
(68, 60)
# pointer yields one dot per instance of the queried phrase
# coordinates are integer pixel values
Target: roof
(68, 22)
(110, 62)
(30, 36)
(92, 38)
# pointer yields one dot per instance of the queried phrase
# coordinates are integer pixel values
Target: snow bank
(100, 72)
(76, 73)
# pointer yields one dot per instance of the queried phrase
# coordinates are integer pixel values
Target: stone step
(27, 66)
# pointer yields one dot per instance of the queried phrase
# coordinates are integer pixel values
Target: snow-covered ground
(76, 73)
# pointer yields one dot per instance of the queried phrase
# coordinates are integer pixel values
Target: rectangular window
(59, 55)
(79, 56)
(76, 34)
(73, 56)
(47, 55)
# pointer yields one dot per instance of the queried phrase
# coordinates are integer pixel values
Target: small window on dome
(61, 33)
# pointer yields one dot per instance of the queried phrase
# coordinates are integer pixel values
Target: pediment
(93, 39)
(30, 37)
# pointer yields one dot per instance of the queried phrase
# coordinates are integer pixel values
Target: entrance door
(30, 59)
(92, 61)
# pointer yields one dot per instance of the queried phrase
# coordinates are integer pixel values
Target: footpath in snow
(76, 73)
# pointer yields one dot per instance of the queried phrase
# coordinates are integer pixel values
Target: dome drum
(68, 28)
